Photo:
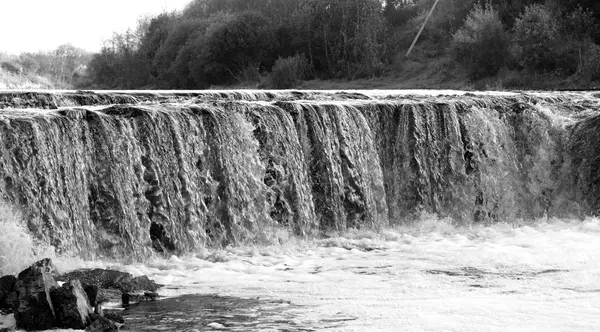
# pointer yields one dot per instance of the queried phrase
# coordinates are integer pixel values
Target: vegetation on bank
(466, 44)
(63, 68)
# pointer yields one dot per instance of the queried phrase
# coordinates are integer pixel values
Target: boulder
(92, 293)
(71, 305)
(111, 279)
(34, 309)
(128, 298)
(102, 324)
(113, 286)
(7, 288)
(99, 277)
(10, 302)
(114, 316)
(142, 283)
(108, 295)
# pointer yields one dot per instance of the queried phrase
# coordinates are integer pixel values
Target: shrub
(11, 67)
(288, 71)
(481, 45)
(590, 64)
(535, 33)
(580, 24)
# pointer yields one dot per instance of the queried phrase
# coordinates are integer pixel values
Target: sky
(41, 25)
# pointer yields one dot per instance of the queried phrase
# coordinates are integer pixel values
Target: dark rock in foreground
(137, 297)
(39, 304)
(34, 310)
(115, 317)
(7, 293)
(72, 306)
(92, 293)
(102, 324)
(110, 279)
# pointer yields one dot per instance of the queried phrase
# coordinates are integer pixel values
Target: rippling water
(430, 276)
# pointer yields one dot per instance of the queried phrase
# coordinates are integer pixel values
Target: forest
(283, 43)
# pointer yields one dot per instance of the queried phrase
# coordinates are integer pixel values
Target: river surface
(431, 276)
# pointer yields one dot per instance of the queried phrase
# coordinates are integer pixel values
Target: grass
(10, 81)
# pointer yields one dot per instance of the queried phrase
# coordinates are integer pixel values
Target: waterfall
(125, 174)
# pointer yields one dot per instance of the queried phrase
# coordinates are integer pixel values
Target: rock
(98, 310)
(94, 317)
(108, 295)
(11, 301)
(7, 287)
(99, 277)
(92, 293)
(142, 283)
(114, 316)
(111, 279)
(71, 305)
(102, 324)
(34, 309)
(128, 298)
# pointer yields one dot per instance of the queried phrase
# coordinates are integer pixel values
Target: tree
(232, 46)
(481, 45)
(535, 33)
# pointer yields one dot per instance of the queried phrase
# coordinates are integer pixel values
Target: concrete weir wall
(127, 173)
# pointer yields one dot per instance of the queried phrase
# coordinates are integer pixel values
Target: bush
(590, 65)
(535, 34)
(288, 71)
(580, 24)
(481, 45)
(11, 67)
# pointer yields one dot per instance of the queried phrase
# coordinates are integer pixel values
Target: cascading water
(305, 210)
(174, 172)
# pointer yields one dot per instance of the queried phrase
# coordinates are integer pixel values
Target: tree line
(65, 66)
(275, 43)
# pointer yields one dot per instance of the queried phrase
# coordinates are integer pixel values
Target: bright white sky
(33, 25)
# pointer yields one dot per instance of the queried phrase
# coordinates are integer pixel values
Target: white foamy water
(427, 277)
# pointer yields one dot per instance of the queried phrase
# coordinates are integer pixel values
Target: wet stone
(71, 305)
(129, 298)
(109, 295)
(34, 310)
(92, 293)
(114, 316)
(99, 277)
(7, 287)
(110, 279)
(102, 324)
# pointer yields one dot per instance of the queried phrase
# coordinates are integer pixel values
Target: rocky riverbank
(40, 298)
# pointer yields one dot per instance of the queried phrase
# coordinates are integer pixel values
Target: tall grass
(10, 80)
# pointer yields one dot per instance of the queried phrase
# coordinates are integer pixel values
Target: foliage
(580, 24)
(63, 66)
(344, 35)
(223, 42)
(590, 65)
(236, 44)
(481, 45)
(535, 33)
(288, 71)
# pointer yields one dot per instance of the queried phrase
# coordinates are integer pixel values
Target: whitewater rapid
(430, 276)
